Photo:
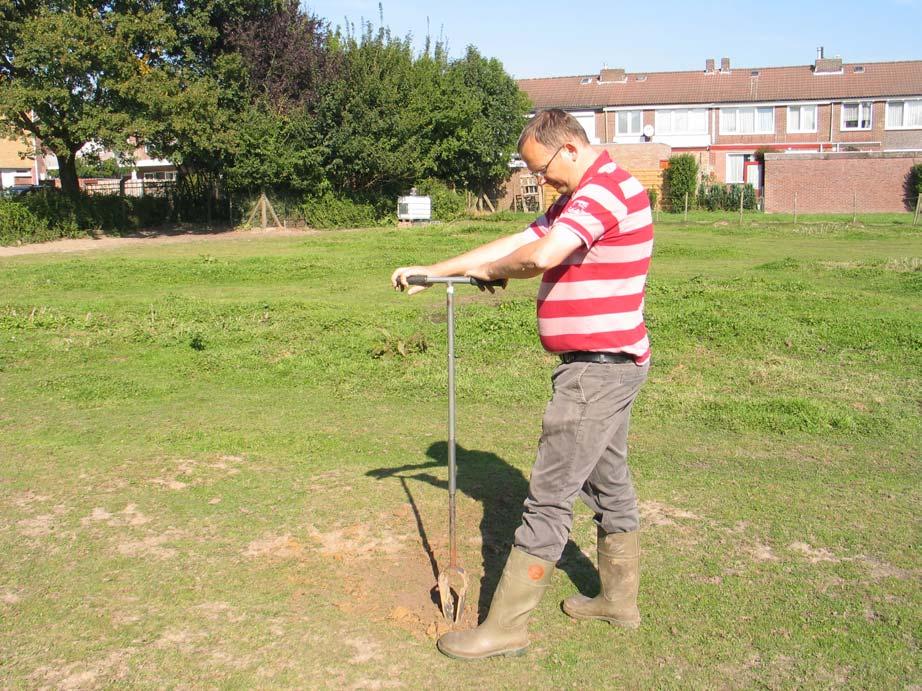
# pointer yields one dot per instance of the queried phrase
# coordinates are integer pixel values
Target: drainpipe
(35, 176)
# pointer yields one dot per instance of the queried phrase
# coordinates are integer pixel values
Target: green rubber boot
(619, 571)
(505, 630)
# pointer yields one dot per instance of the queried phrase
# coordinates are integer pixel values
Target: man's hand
(399, 278)
(482, 273)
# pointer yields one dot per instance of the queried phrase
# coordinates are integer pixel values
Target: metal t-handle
(451, 280)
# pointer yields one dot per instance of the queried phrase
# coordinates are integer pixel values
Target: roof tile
(881, 79)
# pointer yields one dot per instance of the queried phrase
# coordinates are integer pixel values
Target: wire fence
(205, 201)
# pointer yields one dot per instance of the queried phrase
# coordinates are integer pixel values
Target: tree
(195, 115)
(118, 73)
(393, 119)
(288, 57)
(913, 187)
(478, 118)
(74, 73)
(290, 65)
(373, 128)
(277, 149)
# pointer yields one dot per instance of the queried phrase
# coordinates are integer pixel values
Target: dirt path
(147, 238)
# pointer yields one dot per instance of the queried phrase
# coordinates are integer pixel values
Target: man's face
(549, 164)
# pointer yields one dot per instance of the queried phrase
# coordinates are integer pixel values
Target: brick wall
(832, 183)
(9, 154)
(641, 160)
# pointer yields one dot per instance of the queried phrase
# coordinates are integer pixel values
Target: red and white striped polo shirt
(594, 299)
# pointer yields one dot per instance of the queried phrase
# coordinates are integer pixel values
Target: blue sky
(539, 39)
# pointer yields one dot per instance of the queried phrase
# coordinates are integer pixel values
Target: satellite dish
(648, 131)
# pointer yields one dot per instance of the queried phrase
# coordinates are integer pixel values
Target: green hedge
(679, 179)
(329, 210)
(49, 215)
(18, 224)
(447, 204)
(720, 197)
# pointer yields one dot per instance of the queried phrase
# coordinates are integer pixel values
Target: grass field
(222, 464)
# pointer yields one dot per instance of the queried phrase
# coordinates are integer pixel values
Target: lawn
(222, 464)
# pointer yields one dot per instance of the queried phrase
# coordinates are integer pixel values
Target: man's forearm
(523, 262)
(532, 258)
(492, 251)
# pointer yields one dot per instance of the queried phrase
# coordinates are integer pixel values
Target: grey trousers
(583, 450)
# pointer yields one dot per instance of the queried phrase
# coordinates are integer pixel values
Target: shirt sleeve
(541, 225)
(592, 211)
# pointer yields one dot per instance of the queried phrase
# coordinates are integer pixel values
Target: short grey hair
(553, 128)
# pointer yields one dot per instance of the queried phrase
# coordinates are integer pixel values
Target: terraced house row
(727, 116)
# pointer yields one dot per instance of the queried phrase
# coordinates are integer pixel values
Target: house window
(161, 175)
(802, 118)
(628, 122)
(586, 118)
(682, 121)
(747, 120)
(735, 167)
(904, 114)
(856, 116)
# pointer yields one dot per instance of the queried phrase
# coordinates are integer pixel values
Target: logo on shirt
(579, 206)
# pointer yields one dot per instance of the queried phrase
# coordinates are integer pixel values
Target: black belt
(590, 356)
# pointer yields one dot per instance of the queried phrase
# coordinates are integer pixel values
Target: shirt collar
(602, 159)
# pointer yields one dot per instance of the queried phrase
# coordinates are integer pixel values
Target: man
(593, 248)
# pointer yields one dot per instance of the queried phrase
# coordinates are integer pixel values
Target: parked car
(19, 190)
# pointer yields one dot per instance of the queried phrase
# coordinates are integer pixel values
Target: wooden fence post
(742, 195)
(795, 208)
(685, 217)
(915, 218)
(855, 207)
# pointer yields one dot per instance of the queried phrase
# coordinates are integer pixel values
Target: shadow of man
(501, 489)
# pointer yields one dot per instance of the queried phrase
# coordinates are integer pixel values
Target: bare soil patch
(401, 590)
(656, 513)
(43, 525)
(84, 675)
(275, 547)
(150, 237)
(130, 515)
(190, 472)
(814, 554)
(155, 546)
(26, 499)
(383, 572)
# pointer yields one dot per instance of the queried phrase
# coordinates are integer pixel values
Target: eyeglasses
(541, 173)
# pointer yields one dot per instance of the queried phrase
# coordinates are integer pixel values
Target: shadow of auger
(500, 488)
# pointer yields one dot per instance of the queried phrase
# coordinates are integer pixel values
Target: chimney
(709, 66)
(725, 64)
(612, 74)
(824, 65)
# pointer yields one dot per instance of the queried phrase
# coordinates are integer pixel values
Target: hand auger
(452, 598)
